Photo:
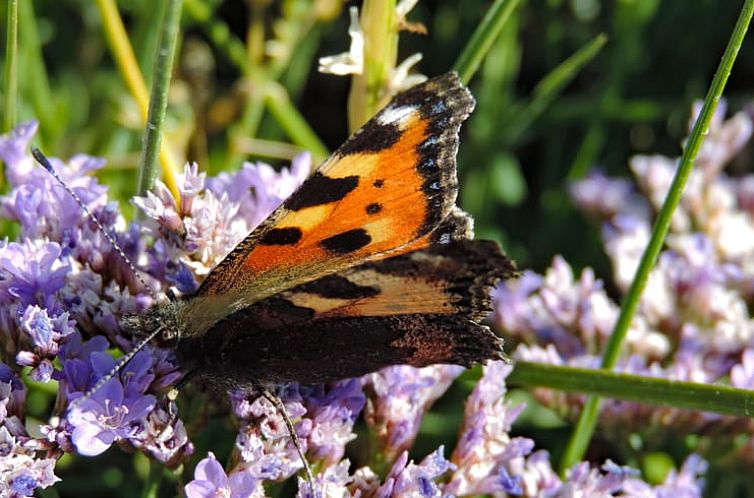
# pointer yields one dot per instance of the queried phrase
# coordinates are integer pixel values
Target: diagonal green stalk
(10, 71)
(483, 38)
(158, 102)
(295, 126)
(722, 399)
(552, 85)
(588, 420)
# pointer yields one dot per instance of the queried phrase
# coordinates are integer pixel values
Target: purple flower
(409, 479)
(263, 442)
(21, 471)
(210, 481)
(685, 483)
(44, 333)
(603, 196)
(13, 151)
(160, 206)
(742, 375)
(12, 395)
(43, 208)
(259, 189)
(399, 396)
(486, 455)
(31, 273)
(576, 316)
(332, 413)
(165, 437)
(117, 410)
(332, 483)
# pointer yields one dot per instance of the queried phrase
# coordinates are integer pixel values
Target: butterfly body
(368, 264)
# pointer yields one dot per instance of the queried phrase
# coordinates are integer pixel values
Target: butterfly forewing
(390, 184)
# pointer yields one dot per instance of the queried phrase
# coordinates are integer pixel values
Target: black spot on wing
(321, 189)
(379, 183)
(374, 208)
(346, 242)
(281, 236)
(337, 287)
(372, 137)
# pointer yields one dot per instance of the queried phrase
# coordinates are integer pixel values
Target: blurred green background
(519, 150)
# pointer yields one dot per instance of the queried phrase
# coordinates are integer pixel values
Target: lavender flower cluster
(693, 323)
(63, 288)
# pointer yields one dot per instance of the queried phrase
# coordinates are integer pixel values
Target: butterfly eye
(171, 295)
(168, 334)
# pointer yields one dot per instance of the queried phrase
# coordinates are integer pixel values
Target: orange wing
(385, 190)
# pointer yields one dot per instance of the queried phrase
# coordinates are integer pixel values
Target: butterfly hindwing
(418, 308)
(386, 187)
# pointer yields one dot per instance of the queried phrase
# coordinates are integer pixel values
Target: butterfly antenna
(116, 368)
(42, 159)
(280, 407)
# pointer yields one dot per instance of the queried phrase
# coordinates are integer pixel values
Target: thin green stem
(588, 420)
(725, 400)
(34, 73)
(293, 123)
(152, 484)
(548, 89)
(10, 72)
(158, 102)
(379, 23)
(483, 38)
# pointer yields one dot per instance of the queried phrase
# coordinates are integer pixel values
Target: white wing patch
(397, 116)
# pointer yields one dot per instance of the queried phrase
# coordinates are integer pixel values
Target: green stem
(34, 73)
(587, 421)
(722, 399)
(10, 76)
(158, 101)
(292, 122)
(379, 23)
(152, 484)
(551, 86)
(483, 38)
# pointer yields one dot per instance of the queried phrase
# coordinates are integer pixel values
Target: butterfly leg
(280, 407)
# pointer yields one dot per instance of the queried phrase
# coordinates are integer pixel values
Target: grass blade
(582, 433)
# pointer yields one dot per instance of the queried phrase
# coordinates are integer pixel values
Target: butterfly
(369, 263)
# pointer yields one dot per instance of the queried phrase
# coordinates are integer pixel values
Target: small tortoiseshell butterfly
(369, 263)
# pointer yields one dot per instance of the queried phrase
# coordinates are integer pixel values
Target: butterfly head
(163, 322)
